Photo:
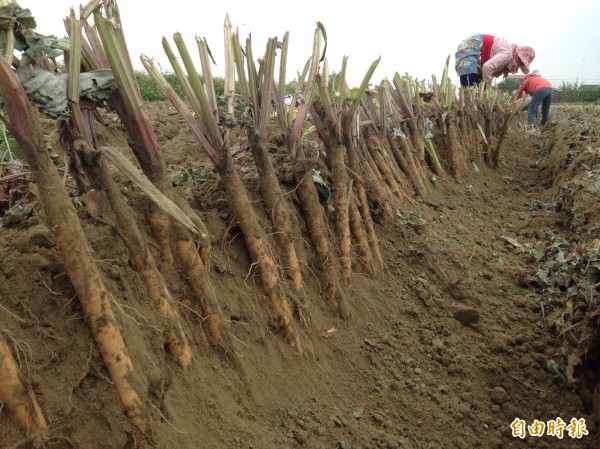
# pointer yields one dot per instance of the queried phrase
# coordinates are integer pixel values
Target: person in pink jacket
(483, 57)
(541, 91)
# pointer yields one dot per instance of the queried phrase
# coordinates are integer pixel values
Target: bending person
(483, 57)
(541, 91)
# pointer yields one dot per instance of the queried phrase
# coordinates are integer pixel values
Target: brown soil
(445, 347)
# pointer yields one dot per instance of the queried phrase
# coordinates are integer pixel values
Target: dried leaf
(329, 332)
(510, 240)
(143, 183)
(372, 342)
(96, 203)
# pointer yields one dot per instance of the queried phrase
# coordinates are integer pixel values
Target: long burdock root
(342, 217)
(142, 259)
(277, 210)
(365, 214)
(19, 402)
(403, 156)
(257, 247)
(378, 192)
(360, 236)
(384, 169)
(204, 242)
(197, 277)
(73, 247)
(359, 213)
(315, 222)
(457, 156)
(160, 225)
(190, 253)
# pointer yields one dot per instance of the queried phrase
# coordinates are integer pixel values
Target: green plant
(567, 271)
(576, 93)
(15, 215)
(9, 147)
(509, 85)
(150, 90)
(558, 373)
(190, 176)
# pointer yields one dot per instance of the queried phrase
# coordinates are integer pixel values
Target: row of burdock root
(382, 147)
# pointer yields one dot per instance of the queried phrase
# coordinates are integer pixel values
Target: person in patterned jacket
(483, 57)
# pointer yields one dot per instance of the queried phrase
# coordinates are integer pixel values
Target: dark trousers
(470, 79)
(543, 96)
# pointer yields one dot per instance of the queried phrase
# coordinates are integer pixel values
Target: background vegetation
(151, 92)
(564, 93)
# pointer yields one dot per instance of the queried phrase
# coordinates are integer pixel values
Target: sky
(413, 37)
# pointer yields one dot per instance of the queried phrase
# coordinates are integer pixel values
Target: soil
(445, 347)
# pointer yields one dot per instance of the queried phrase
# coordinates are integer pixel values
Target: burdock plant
(212, 127)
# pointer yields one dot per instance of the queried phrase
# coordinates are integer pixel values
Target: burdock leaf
(537, 250)
(38, 44)
(23, 20)
(48, 90)
(23, 15)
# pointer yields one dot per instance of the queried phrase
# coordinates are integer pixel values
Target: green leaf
(11, 147)
(358, 412)
(559, 375)
(23, 15)
(537, 251)
(468, 243)
(322, 188)
(358, 95)
(15, 215)
(38, 45)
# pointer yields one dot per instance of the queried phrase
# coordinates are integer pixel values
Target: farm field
(444, 347)
(256, 263)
